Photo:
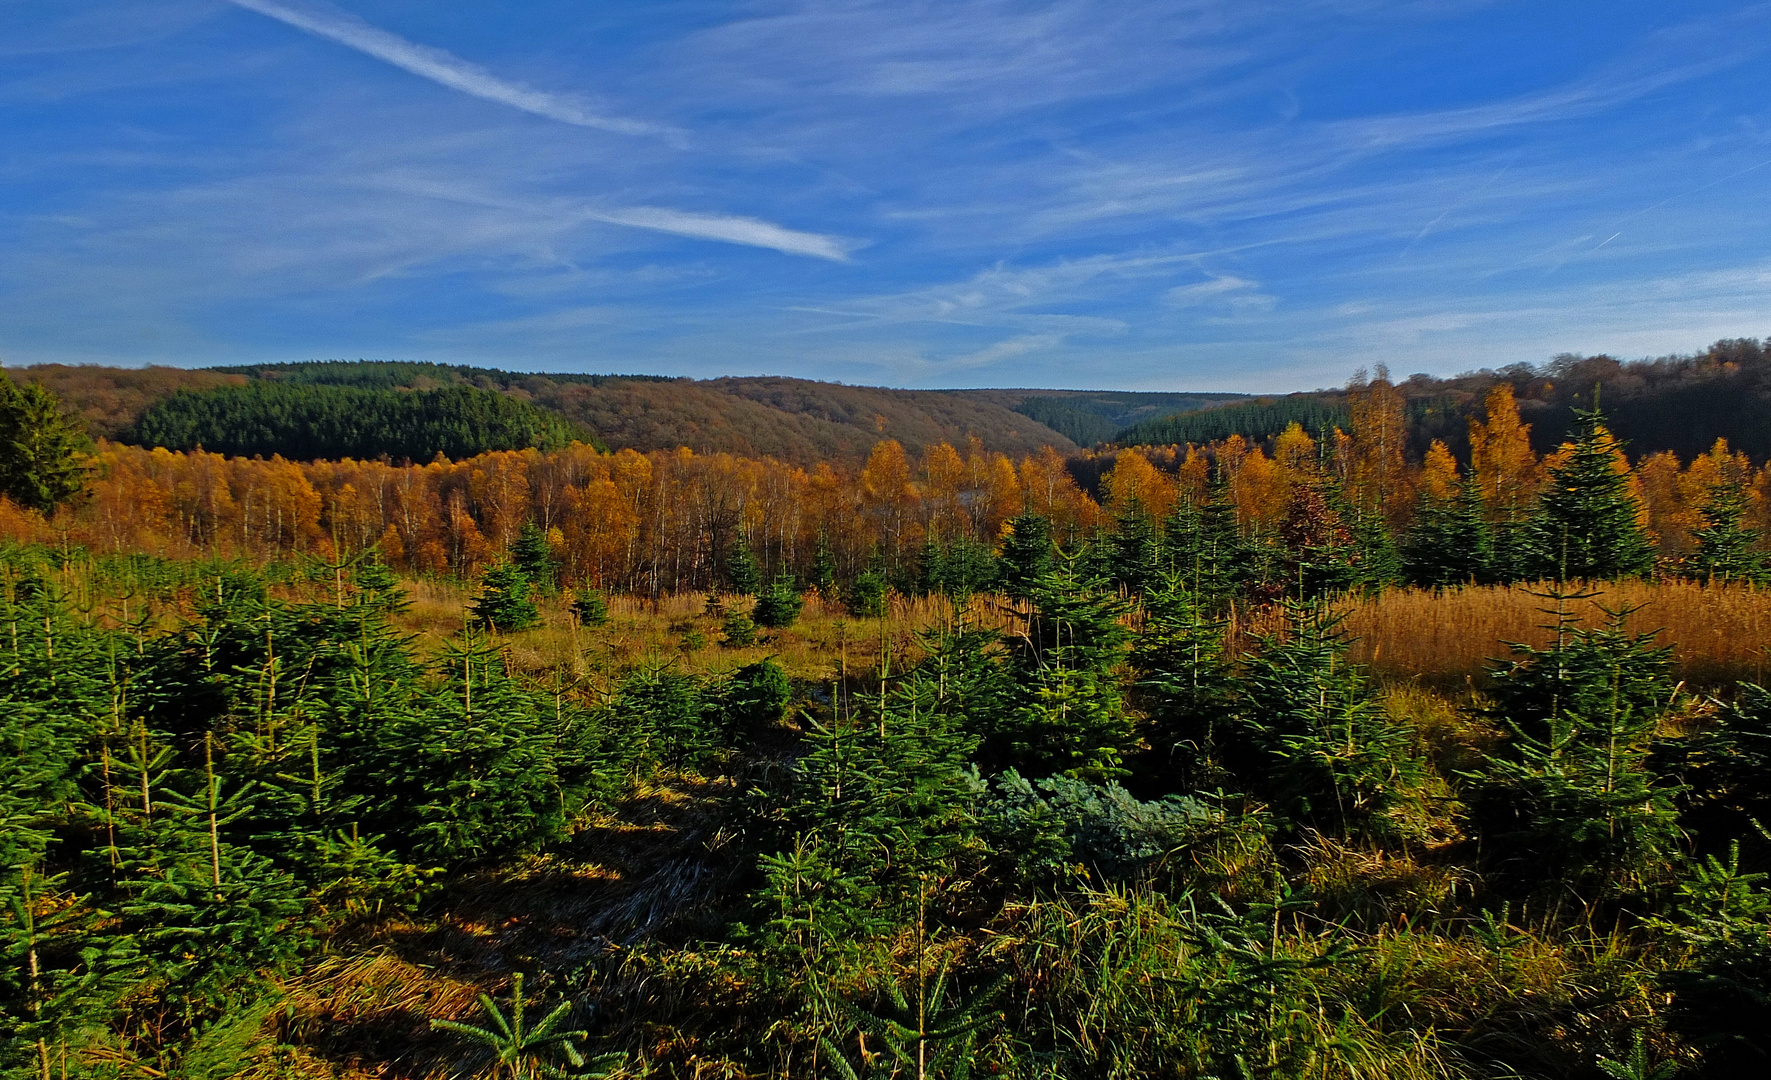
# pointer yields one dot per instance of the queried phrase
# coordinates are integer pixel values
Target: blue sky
(1192, 194)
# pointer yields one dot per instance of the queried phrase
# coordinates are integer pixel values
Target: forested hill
(1681, 403)
(321, 421)
(796, 420)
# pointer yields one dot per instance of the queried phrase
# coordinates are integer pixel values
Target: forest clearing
(1299, 757)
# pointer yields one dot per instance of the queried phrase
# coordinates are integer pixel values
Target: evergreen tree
(868, 594)
(1184, 683)
(958, 568)
(1727, 549)
(1311, 737)
(378, 589)
(534, 558)
(1581, 671)
(1206, 547)
(591, 607)
(822, 575)
(1571, 796)
(738, 631)
(1068, 715)
(881, 799)
(43, 453)
(468, 765)
(503, 602)
(931, 569)
(1133, 552)
(1377, 563)
(780, 606)
(206, 912)
(742, 575)
(1322, 553)
(1027, 554)
(1587, 522)
(1449, 543)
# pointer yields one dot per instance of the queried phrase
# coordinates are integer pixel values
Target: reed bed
(1719, 633)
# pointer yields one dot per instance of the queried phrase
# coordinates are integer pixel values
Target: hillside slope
(793, 419)
(797, 420)
(112, 400)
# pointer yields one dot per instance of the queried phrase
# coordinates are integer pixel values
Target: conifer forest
(1343, 747)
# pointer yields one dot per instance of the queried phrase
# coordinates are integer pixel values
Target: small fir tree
(1376, 563)
(532, 555)
(1068, 714)
(1449, 543)
(779, 608)
(868, 595)
(1205, 546)
(742, 575)
(1184, 683)
(1311, 736)
(503, 602)
(1322, 553)
(1587, 524)
(1571, 796)
(1727, 549)
(590, 605)
(738, 631)
(1134, 551)
(1027, 554)
(822, 575)
(957, 569)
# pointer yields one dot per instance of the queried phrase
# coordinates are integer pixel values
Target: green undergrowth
(252, 825)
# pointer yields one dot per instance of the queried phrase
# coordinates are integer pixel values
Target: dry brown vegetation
(1718, 633)
(679, 629)
(112, 399)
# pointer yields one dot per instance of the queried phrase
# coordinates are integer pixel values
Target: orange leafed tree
(1377, 471)
(1506, 470)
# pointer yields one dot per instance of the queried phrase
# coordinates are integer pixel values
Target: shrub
(1060, 820)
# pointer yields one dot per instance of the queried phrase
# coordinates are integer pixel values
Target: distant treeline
(1255, 420)
(394, 374)
(1092, 417)
(1679, 403)
(311, 420)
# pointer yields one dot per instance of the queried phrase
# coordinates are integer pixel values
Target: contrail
(327, 21)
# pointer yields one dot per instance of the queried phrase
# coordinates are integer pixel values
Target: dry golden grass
(369, 1015)
(678, 629)
(1719, 634)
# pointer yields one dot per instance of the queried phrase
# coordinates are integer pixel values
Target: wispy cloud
(728, 228)
(1005, 350)
(1227, 290)
(325, 20)
(724, 228)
